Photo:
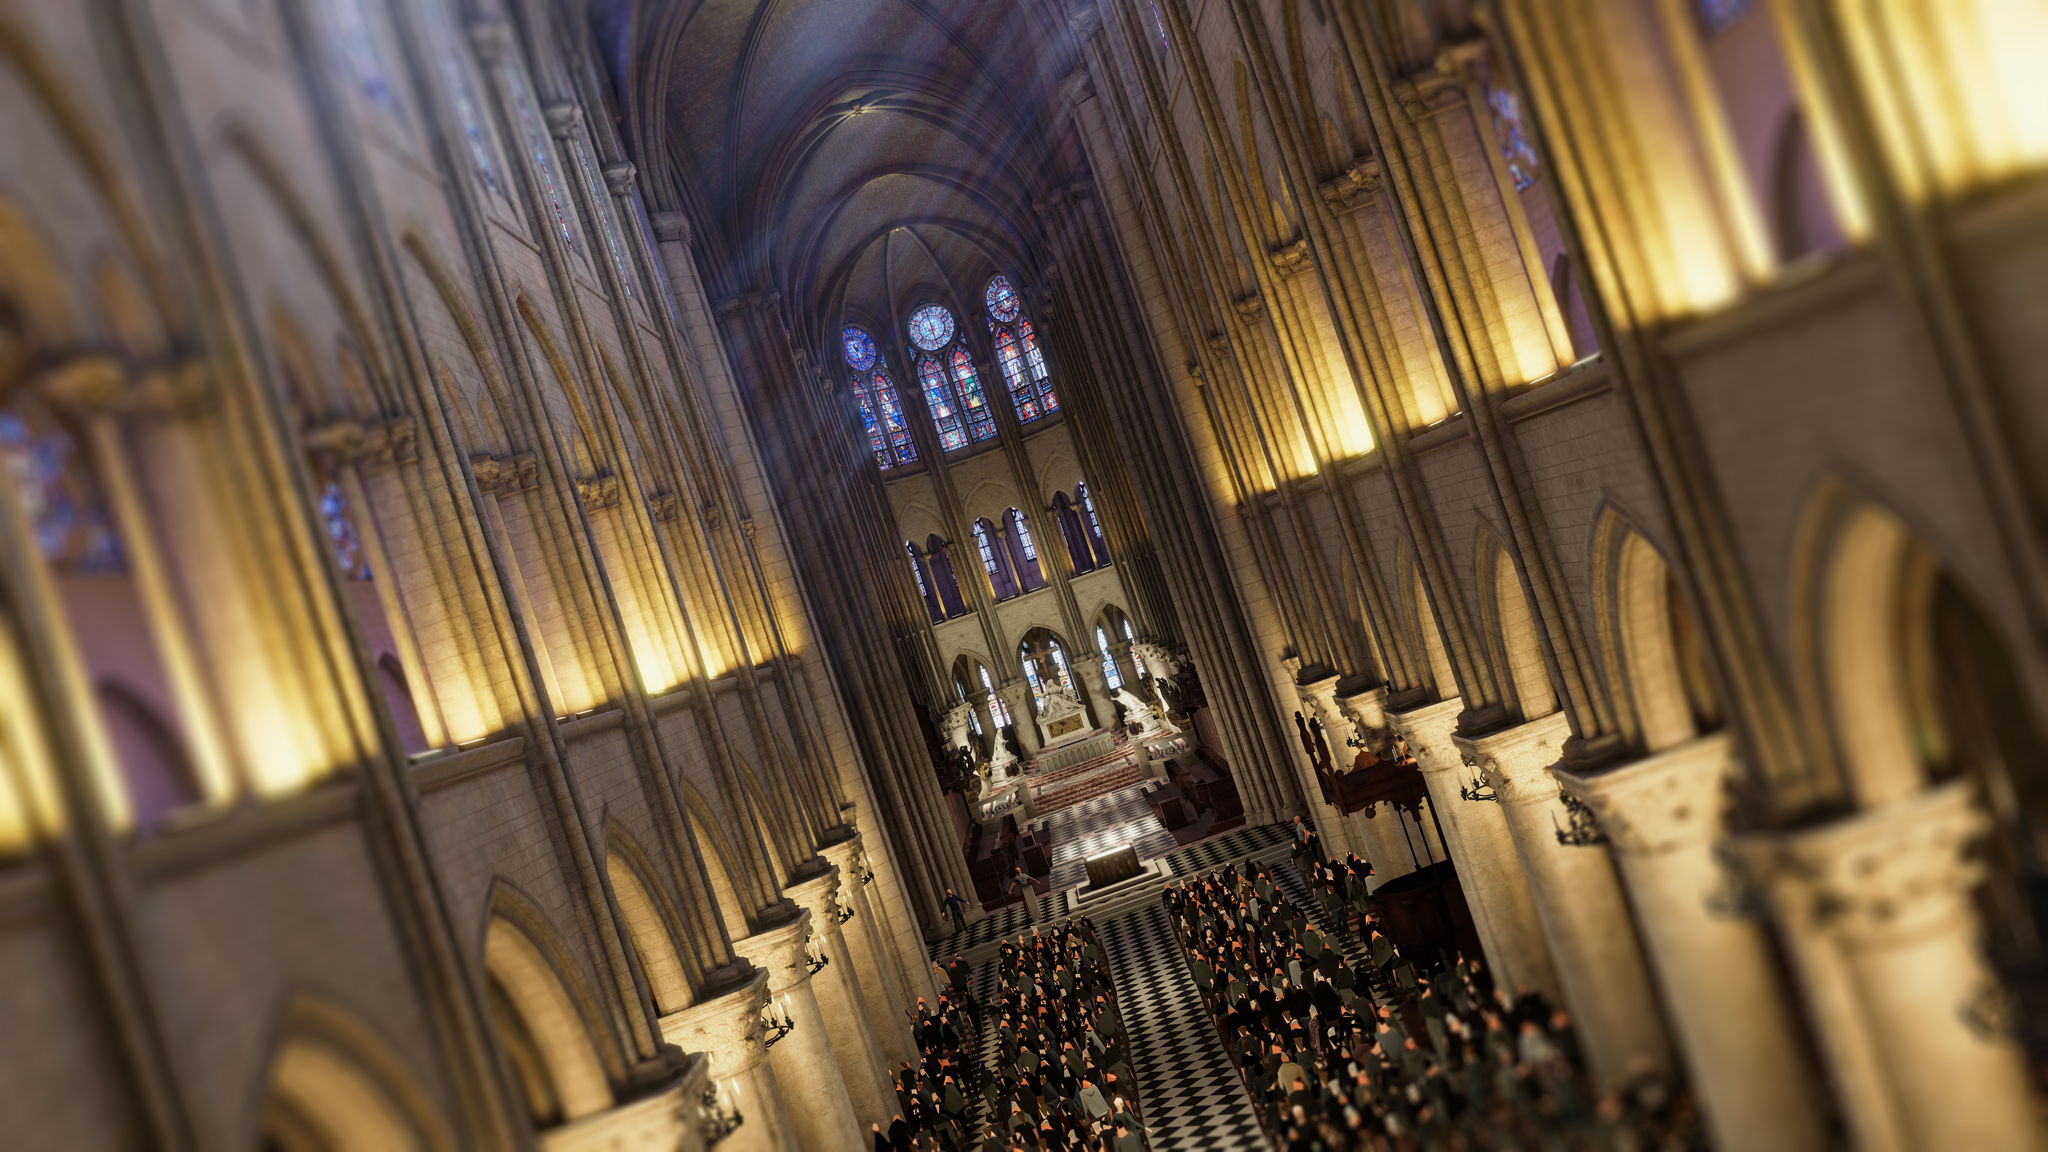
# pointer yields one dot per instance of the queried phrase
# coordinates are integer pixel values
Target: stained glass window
(987, 547)
(1037, 689)
(1024, 536)
(1048, 400)
(1011, 361)
(1717, 16)
(474, 133)
(1059, 664)
(1128, 636)
(917, 570)
(891, 412)
(537, 144)
(342, 536)
(64, 508)
(1002, 302)
(1088, 506)
(931, 327)
(938, 397)
(996, 708)
(1159, 23)
(1110, 671)
(600, 200)
(1514, 140)
(859, 348)
(356, 43)
(981, 420)
(868, 423)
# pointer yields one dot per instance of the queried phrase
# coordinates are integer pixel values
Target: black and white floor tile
(1098, 825)
(1217, 851)
(1193, 1098)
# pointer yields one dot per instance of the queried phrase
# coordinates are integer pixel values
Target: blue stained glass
(876, 444)
(939, 399)
(537, 144)
(71, 523)
(858, 347)
(1001, 298)
(357, 45)
(1088, 506)
(891, 411)
(1159, 22)
(981, 420)
(1717, 16)
(1110, 673)
(1037, 689)
(996, 708)
(986, 547)
(1024, 540)
(917, 570)
(1514, 140)
(342, 536)
(1047, 398)
(1022, 398)
(473, 131)
(1059, 663)
(931, 327)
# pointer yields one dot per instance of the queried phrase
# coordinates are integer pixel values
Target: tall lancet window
(881, 413)
(1017, 353)
(938, 399)
(1514, 138)
(997, 710)
(1110, 673)
(959, 408)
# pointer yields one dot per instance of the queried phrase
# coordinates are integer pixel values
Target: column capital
(1517, 760)
(1429, 732)
(1085, 17)
(779, 951)
(818, 897)
(671, 227)
(1668, 800)
(1879, 876)
(618, 177)
(491, 37)
(726, 1028)
(564, 117)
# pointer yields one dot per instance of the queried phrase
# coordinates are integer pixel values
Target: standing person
(1021, 881)
(956, 910)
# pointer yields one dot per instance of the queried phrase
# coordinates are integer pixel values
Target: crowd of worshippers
(932, 1093)
(1061, 1070)
(1378, 1051)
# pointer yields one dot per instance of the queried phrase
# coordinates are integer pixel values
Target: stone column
(884, 997)
(1483, 852)
(668, 1119)
(1579, 901)
(820, 1106)
(1876, 911)
(727, 1028)
(1017, 696)
(1729, 1008)
(841, 1000)
(1101, 706)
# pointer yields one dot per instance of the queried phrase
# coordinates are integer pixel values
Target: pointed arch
(649, 920)
(542, 1014)
(1520, 645)
(1648, 640)
(332, 1085)
(1422, 627)
(719, 860)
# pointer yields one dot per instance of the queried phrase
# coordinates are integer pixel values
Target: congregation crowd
(1058, 1078)
(1381, 1050)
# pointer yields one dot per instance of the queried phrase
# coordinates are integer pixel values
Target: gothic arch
(1519, 643)
(544, 1015)
(1861, 597)
(333, 1085)
(1656, 671)
(490, 403)
(1421, 625)
(719, 861)
(650, 923)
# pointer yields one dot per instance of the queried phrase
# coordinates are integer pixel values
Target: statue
(1139, 714)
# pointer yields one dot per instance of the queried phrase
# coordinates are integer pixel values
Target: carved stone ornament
(618, 177)
(1250, 305)
(564, 118)
(1664, 801)
(502, 476)
(601, 491)
(1293, 257)
(664, 506)
(1352, 187)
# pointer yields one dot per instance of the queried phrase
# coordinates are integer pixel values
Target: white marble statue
(1138, 712)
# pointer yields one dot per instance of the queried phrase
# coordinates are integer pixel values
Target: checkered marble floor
(1009, 920)
(1192, 1096)
(1213, 853)
(1098, 825)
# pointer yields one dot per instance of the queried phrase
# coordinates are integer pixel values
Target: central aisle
(1194, 1100)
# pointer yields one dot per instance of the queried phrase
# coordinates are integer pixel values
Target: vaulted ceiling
(851, 154)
